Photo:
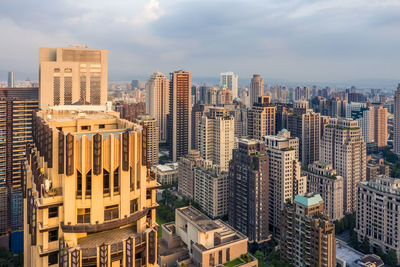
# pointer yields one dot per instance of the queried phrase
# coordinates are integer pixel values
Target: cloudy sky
(295, 40)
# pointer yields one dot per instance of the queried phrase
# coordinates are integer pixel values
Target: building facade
(187, 165)
(343, 146)
(230, 81)
(248, 190)
(285, 180)
(377, 214)
(166, 174)
(256, 89)
(217, 137)
(261, 118)
(322, 179)
(179, 117)
(89, 198)
(16, 108)
(308, 237)
(72, 75)
(396, 123)
(157, 101)
(151, 135)
(211, 191)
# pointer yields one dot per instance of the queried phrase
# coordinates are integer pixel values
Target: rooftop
(308, 200)
(346, 253)
(203, 222)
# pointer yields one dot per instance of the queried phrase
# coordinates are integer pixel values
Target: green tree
(391, 258)
(260, 257)
(380, 252)
(353, 240)
(365, 246)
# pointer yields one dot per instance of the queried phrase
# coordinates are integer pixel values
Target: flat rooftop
(347, 253)
(199, 219)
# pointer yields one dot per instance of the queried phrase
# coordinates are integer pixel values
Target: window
(53, 212)
(220, 257)
(78, 183)
(83, 128)
(102, 126)
(106, 182)
(53, 258)
(116, 180)
(111, 212)
(89, 183)
(134, 205)
(53, 235)
(84, 215)
(228, 254)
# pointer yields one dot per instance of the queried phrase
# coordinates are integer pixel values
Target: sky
(308, 40)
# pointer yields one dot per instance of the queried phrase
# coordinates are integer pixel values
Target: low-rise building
(166, 174)
(376, 166)
(196, 240)
(322, 179)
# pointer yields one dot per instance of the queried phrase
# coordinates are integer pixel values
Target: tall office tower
(285, 180)
(11, 79)
(72, 75)
(187, 165)
(305, 124)
(302, 93)
(211, 191)
(256, 89)
(248, 190)
(308, 237)
(134, 84)
(320, 105)
(197, 113)
(322, 179)
(363, 114)
(17, 106)
(261, 118)
(377, 216)
(217, 137)
(229, 80)
(179, 118)
(157, 101)
(380, 117)
(343, 146)
(89, 199)
(396, 124)
(211, 95)
(281, 118)
(150, 136)
(337, 107)
(239, 111)
(224, 96)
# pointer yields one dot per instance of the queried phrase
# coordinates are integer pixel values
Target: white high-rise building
(397, 121)
(229, 80)
(343, 146)
(157, 101)
(217, 137)
(285, 180)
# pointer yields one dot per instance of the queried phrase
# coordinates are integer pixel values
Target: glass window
(134, 205)
(53, 258)
(53, 235)
(111, 212)
(84, 215)
(53, 212)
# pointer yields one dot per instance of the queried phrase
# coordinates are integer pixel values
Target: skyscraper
(396, 124)
(157, 101)
(305, 124)
(150, 137)
(186, 168)
(217, 137)
(72, 75)
(89, 198)
(380, 116)
(285, 180)
(11, 79)
(179, 117)
(261, 118)
(229, 80)
(17, 105)
(248, 190)
(256, 88)
(343, 146)
(308, 237)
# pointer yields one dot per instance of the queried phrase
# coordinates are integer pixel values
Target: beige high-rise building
(261, 118)
(157, 101)
(396, 123)
(187, 165)
(72, 75)
(179, 117)
(256, 88)
(285, 180)
(150, 126)
(322, 179)
(217, 137)
(343, 146)
(308, 237)
(90, 200)
(380, 117)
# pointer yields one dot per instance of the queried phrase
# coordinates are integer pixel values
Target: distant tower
(10, 79)
(397, 121)
(256, 88)
(230, 80)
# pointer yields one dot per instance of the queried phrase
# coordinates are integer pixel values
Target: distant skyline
(295, 40)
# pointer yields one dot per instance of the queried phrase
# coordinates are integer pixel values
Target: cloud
(151, 12)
